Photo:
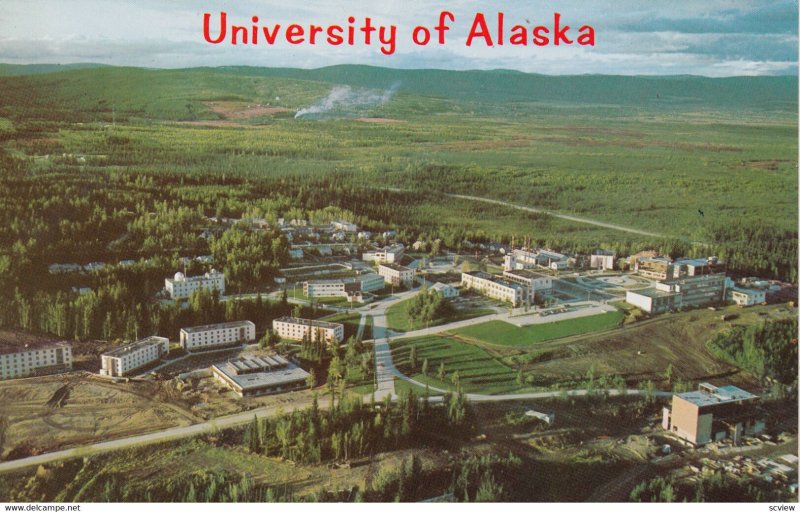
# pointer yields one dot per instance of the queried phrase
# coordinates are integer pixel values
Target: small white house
(446, 290)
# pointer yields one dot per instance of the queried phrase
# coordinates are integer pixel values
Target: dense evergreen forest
(767, 350)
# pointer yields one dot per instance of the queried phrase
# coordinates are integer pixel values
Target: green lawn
(498, 332)
(349, 320)
(478, 371)
(398, 320)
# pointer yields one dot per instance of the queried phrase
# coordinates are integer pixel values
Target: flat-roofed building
(447, 291)
(182, 287)
(496, 287)
(371, 282)
(745, 296)
(390, 254)
(652, 300)
(712, 414)
(350, 288)
(127, 358)
(699, 267)
(681, 284)
(602, 260)
(397, 275)
(696, 290)
(203, 337)
(24, 354)
(654, 268)
(537, 282)
(291, 328)
(521, 259)
(254, 375)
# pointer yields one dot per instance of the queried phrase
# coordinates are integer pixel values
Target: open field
(642, 351)
(93, 409)
(497, 332)
(478, 371)
(637, 352)
(398, 320)
(350, 322)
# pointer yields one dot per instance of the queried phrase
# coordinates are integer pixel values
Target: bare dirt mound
(241, 110)
(379, 120)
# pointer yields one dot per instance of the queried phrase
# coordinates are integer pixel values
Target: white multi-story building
(390, 254)
(314, 330)
(396, 275)
(652, 300)
(603, 260)
(497, 288)
(538, 283)
(348, 287)
(182, 287)
(215, 335)
(24, 355)
(127, 358)
(681, 284)
(520, 259)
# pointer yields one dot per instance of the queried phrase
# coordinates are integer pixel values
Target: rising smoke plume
(345, 101)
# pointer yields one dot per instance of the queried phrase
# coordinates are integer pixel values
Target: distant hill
(89, 91)
(36, 69)
(506, 86)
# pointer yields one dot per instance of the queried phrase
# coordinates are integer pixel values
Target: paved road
(161, 436)
(573, 218)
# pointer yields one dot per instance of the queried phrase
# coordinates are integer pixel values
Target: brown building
(712, 414)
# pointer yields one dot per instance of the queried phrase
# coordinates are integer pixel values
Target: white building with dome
(181, 287)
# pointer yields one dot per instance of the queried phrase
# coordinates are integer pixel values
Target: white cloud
(169, 34)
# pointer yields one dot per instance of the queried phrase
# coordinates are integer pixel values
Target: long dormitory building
(26, 355)
(204, 337)
(125, 359)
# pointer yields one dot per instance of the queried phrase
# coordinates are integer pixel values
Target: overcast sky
(704, 37)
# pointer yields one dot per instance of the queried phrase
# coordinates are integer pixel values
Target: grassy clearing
(477, 370)
(349, 320)
(398, 320)
(497, 332)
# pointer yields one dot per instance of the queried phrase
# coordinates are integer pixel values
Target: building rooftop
(136, 345)
(527, 274)
(393, 248)
(494, 278)
(748, 291)
(655, 259)
(698, 262)
(254, 364)
(179, 277)
(307, 321)
(708, 394)
(13, 341)
(212, 327)
(652, 293)
(284, 374)
(395, 266)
